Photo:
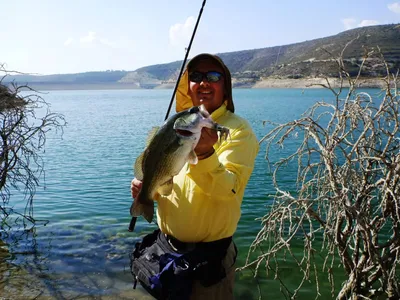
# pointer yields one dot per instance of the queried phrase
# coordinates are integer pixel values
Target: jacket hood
(184, 101)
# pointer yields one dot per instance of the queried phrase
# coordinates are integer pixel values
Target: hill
(308, 59)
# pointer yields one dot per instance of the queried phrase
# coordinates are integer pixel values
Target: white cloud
(106, 42)
(68, 42)
(349, 23)
(367, 23)
(179, 34)
(394, 7)
(91, 38)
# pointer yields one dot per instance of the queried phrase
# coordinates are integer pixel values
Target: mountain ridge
(308, 59)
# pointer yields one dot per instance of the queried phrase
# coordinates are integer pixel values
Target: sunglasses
(211, 76)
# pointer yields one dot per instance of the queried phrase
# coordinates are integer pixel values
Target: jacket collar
(219, 112)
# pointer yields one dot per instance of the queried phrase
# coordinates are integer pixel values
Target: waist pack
(168, 273)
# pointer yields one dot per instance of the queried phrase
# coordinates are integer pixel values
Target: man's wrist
(206, 154)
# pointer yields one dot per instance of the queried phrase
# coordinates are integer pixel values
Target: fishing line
(184, 60)
(133, 220)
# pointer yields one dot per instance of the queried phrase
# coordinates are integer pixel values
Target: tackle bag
(168, 273)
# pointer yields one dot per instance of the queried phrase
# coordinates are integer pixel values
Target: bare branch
(23, 137)
(347, 191)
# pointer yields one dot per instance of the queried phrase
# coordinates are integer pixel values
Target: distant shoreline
(302, 83)
(85, 86)
(316, 83)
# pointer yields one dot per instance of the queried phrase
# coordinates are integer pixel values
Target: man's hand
(205, 145)
(136, 185)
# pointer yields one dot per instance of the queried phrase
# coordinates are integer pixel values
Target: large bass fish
(169, 148)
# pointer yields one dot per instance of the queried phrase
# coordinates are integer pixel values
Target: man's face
(211, 94)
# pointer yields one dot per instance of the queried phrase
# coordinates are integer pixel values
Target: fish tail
(143, 208)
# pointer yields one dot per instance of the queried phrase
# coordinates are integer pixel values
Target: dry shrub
(24, 123)
(346, 207)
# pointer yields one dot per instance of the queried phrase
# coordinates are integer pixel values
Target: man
(204, 206)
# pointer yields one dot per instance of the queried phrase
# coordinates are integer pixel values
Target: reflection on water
(65, 264)
(83, 252)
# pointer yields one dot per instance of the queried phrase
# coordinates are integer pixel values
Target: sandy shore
(314, 83)
(263, 84)
(296, 83)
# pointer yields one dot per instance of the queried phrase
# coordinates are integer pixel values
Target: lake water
(83, 251)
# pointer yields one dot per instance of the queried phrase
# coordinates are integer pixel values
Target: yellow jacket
(205, 202)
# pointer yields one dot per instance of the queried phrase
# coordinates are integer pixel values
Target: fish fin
(166, 188)
(145, 209)
(192, 158)
(138, 169)
(151, 134)
(224, 133)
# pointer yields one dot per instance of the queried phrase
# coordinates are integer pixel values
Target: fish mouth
(183, 132)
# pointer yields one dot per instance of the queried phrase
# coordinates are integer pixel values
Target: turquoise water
(83, 250)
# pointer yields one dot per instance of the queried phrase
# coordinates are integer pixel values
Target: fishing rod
(133, 220)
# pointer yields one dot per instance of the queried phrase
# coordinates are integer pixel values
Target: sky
(72, 36)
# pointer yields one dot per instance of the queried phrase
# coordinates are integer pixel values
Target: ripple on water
(84, 250)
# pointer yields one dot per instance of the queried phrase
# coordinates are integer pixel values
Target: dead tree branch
(348, 191)
(25, 119)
